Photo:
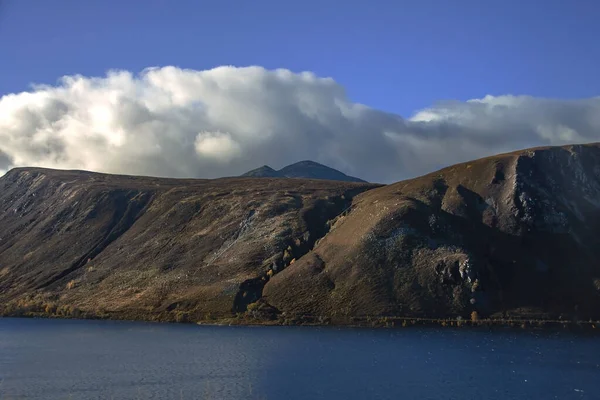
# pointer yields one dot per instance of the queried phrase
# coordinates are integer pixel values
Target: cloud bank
(224, 121)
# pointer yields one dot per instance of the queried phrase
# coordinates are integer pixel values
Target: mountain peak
(263, 172)
(307, 163)
(302, 169)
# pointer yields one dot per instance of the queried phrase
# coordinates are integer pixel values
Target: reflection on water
(54, 359)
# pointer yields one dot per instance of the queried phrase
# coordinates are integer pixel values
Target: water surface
(66, 359)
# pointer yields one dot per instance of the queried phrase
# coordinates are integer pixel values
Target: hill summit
(304, 169)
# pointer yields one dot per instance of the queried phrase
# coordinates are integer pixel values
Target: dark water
(53, 359)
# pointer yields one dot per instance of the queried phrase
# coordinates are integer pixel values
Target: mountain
(510, 236)
(82, 243)
(263, 172)
(302, 169)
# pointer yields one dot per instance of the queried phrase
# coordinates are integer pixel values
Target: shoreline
(524, 324)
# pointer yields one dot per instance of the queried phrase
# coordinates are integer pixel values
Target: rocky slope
(511, 235)
(302, 169)
(515, 234)
(137, 247)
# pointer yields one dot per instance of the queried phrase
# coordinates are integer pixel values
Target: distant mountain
(264, 172)
(303, 169)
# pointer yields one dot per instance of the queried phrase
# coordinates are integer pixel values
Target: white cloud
(5, 162)
(220, 122)
(218, 146)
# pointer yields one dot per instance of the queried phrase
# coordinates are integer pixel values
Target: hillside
(302, 169)
(514, 235)
(146, 248)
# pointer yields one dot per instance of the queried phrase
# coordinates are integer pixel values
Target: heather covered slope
(516, 234)
(141, 247)
(511, 235)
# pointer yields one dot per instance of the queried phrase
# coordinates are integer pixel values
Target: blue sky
(398, 56)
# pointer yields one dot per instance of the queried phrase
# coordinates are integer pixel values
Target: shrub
(50, 309)
(65, 311)
(181, 316)
(474, 316)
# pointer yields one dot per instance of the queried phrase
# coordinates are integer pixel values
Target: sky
(384, 90)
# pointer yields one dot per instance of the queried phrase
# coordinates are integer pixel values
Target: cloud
(225, 121)
(5, 162)
(218, 146)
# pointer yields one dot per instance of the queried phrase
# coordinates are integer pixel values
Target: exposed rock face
(302, 169)
(515, 234)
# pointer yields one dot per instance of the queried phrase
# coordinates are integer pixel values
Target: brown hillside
(147, 247)
(515, 234)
